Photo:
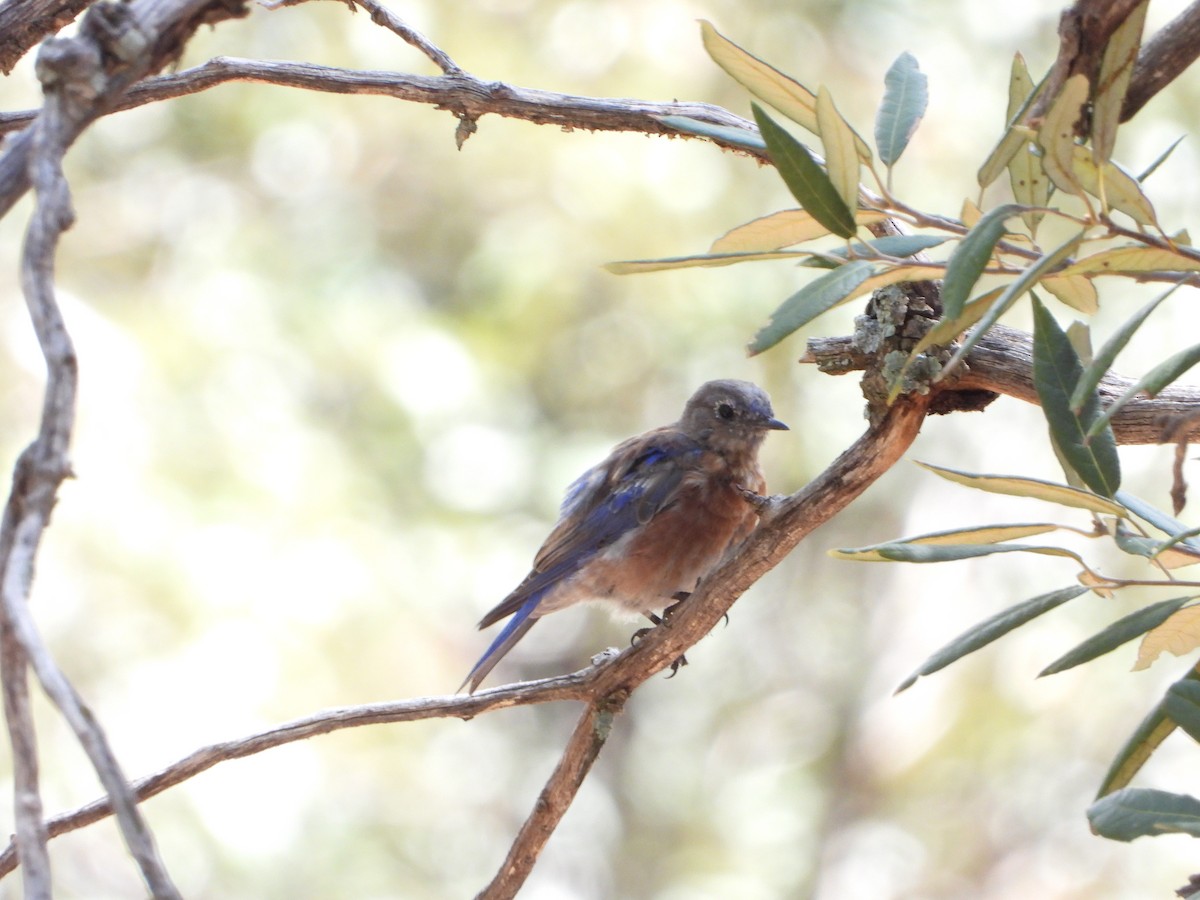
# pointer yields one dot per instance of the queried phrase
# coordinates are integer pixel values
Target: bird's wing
(639, 479)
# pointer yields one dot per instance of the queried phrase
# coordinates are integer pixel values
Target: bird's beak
(775, 425)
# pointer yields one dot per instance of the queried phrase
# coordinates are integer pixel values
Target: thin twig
(383, 16)
(588, 738)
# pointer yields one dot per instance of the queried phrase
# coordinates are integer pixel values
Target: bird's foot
(657, 620)
(767, 507)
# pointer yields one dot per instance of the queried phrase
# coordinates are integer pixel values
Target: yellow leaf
(971, 213)
(1112, 185)
(781, 229)
(1030, 487)
(1100, 586)
(1178, 635)
(841, 157)
(1132, 260)
(1030, 186)
(897, 275)
(766, 82)
(986, 534)
(1076, 291)
(1057, 134)
(1177, 557)
(700, 260)
(1115, 70)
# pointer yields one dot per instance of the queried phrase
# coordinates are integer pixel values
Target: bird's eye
(725, 410)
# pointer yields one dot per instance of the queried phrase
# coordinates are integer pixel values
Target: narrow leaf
(894, 245)
(1132, 261)
(1112, 185)
(1150, 383)
(782, 229)
(1160, 520)
(905, 98)
(1057, 134)
(1119, 632)
(984, 534)
(816, 297)
(724, 134)
(1094, 372)
(900, 551)
(805, 179)
(1152, 731)
(1030, 185)
(971, 257)
(1160, 159)
(1182, 704)
(1116, 67)
(700, 260)
(841, 156)
(762, 80)
(1178, 635)
(1076, 291)
(1140, 812)
(1056, 371)
(1012, 293)
(1031, 487)
(1014, 137)
(990, 629)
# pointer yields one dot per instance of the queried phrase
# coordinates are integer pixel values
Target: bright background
(335, 377)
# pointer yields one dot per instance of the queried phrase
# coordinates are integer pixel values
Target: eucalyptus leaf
(1119, 632)
(724, 133)
(815, 298)
(905, 99)
(1182, 704)
(990, 629)
(1151, 383)
(1140, 812)
(1018, 486)
(971, 257)
(804, 177)
(1056, 371)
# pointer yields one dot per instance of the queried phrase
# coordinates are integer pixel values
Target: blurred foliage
(335, 376)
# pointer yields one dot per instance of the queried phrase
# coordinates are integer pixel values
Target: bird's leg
(678, 597)
(765, 506)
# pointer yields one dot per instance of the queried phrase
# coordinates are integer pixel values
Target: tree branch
(25, 22)
(1002, 362)
(1162, 59)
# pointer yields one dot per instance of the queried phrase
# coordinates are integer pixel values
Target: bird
(643, 527)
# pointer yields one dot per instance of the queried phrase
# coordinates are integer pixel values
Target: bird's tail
(505, 640)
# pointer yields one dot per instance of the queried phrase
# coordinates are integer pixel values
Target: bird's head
(729, 415)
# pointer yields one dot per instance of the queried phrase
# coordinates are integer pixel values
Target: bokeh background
(335, 377)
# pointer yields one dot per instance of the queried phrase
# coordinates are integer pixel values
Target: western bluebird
(652, 519)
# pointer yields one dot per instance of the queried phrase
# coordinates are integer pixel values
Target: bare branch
(1162, 59)
(586, 741)
(25, 22)
(787, 521)
(383, 16)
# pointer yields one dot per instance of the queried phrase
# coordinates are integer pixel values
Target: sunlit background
(335, 377)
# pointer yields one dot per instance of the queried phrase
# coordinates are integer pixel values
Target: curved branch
(1002, 362)
(787, 521)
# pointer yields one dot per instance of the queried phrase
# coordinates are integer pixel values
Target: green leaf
(1151, 383)
(1012, 293)
(1014, 138)
(805, 179)
(841, 155)
(1116, 67)
(905, 98)
(990, 629)
(900, 551)
(1141, 812)
(971, 257)
(700, 260)
(1057, 134)
(1169, 525)
(1119, 632)
(816, 297)
(895, 245)
(1182, 704)
(1094, 371)
(1056, 371)
(1150, 733)
(1017, 486)
(724, 134)
(1160, 159)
